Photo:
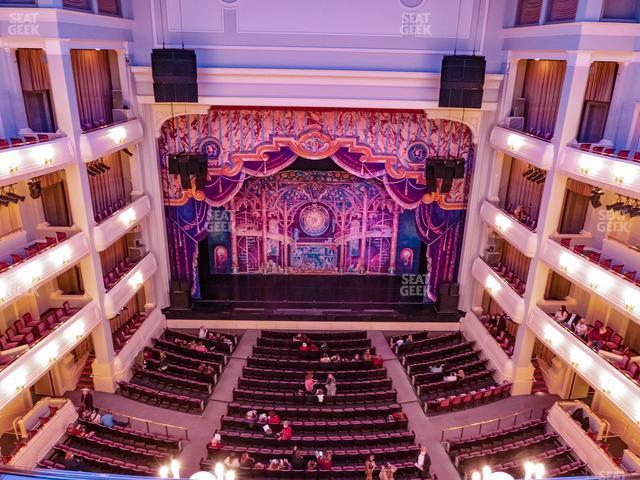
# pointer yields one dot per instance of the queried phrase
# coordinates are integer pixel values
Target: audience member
(304, 347)
(561, 315)
(436, 368)
(366, 356)
(369, 467)
(297, 459)
(460, 374)
(310, 383)
(72, 463)
(596, 336)
(273, 418)
(324, 358)
(108, 420)
(423, 464)
(378, 361)
(162, 364)
(325, 461)
(86, 400)
(581, 329)
(287, 432)
(247, 461)
(216, 441)
(387, 472)
(312, 466)
(330, 385)
(202, 333)
(232, 461)
(251, 417)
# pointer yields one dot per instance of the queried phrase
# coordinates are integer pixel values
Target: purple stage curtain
(542, 90)
(562, 10)
(32, 65)
(529, 12)
(521, 191)
(602, 78)
(92, 76)
(108, 188)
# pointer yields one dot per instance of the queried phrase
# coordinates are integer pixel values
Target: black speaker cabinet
(448, 298)
(462, 81)
(174, 75)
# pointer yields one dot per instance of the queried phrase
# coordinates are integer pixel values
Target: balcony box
(508, 227)
(594, 369)
(127, 286)
(473, 329)
(42, 267)
(34, 160)
(97, 143)
(500, 291)
(152, 327)
(525, 147)
(47, 435)
(120, 222)
(611, 287)
(35, 361)
(611, 173)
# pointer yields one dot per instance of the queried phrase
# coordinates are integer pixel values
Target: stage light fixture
(596, 194)
(528, 172)
(35, 188)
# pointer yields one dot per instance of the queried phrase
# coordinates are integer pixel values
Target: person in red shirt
(378, 361)
(304, 347)
(273, 418)
(325, 462)
(287, 432)
(596, 337)
(313, 347)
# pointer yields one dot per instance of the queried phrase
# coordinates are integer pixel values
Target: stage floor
(309, 297)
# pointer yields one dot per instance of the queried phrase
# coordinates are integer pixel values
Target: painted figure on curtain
(369, 217)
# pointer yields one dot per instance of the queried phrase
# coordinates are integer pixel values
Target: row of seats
(606, 263)
(23, 140)
(506, 449)
(27, 331)
(114, 276)
(446, 371)
(296, 353)
(127, 330)
(510, 277)
(109, 210)
(174, 374)
(217, 341)
(527, 220)
(361, 418)
(32, 250)
(496, 325)
(610, 151)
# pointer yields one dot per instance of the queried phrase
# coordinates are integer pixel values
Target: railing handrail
(513, 416)
(166, 426)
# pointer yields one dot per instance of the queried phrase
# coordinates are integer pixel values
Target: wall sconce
(584, 170)
(65, 255)
(619, 180)
(44, 155)
(630, 301)
(32, 273)
(13, 162)
(514, 142)
(128, 217)
(49, 355)
(76, 331)
(118, 135)
(492, 285)
(567, 263)
(136, 280)
(502, 223)
(15, 382)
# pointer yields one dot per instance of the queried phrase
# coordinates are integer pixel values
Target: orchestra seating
(184, 384)
(363, 417)
(496, 326)
(505, 450)
(117, 450)
(420, 352)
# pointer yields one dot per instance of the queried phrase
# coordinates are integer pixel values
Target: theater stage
(311, 297)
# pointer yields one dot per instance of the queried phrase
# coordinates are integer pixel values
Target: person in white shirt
(561, 315)
(423, 464)
(202, 333)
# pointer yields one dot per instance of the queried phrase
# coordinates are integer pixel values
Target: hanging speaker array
(175, 75)
(462, 81)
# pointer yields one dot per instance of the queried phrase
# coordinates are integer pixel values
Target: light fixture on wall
(137, 280)
(44, 155)
(502, 223)
(492, 285)
(118, 135)
(12, 160)
(64, 255)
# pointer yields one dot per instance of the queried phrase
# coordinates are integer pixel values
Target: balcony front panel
(42, 267)
(109, 139)
(525, 147)
(120, 222)
(34, 160)
(611, 287)
(35, 361)
(118, 296)
(593, 368)
(611, 173)
(508, 227)
(510, 302)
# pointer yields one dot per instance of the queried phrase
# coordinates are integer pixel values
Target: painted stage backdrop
(370, 217)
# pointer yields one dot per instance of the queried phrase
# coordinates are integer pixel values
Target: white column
(508, 88)
(567, 123)
(67, 114)
(12, 108)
